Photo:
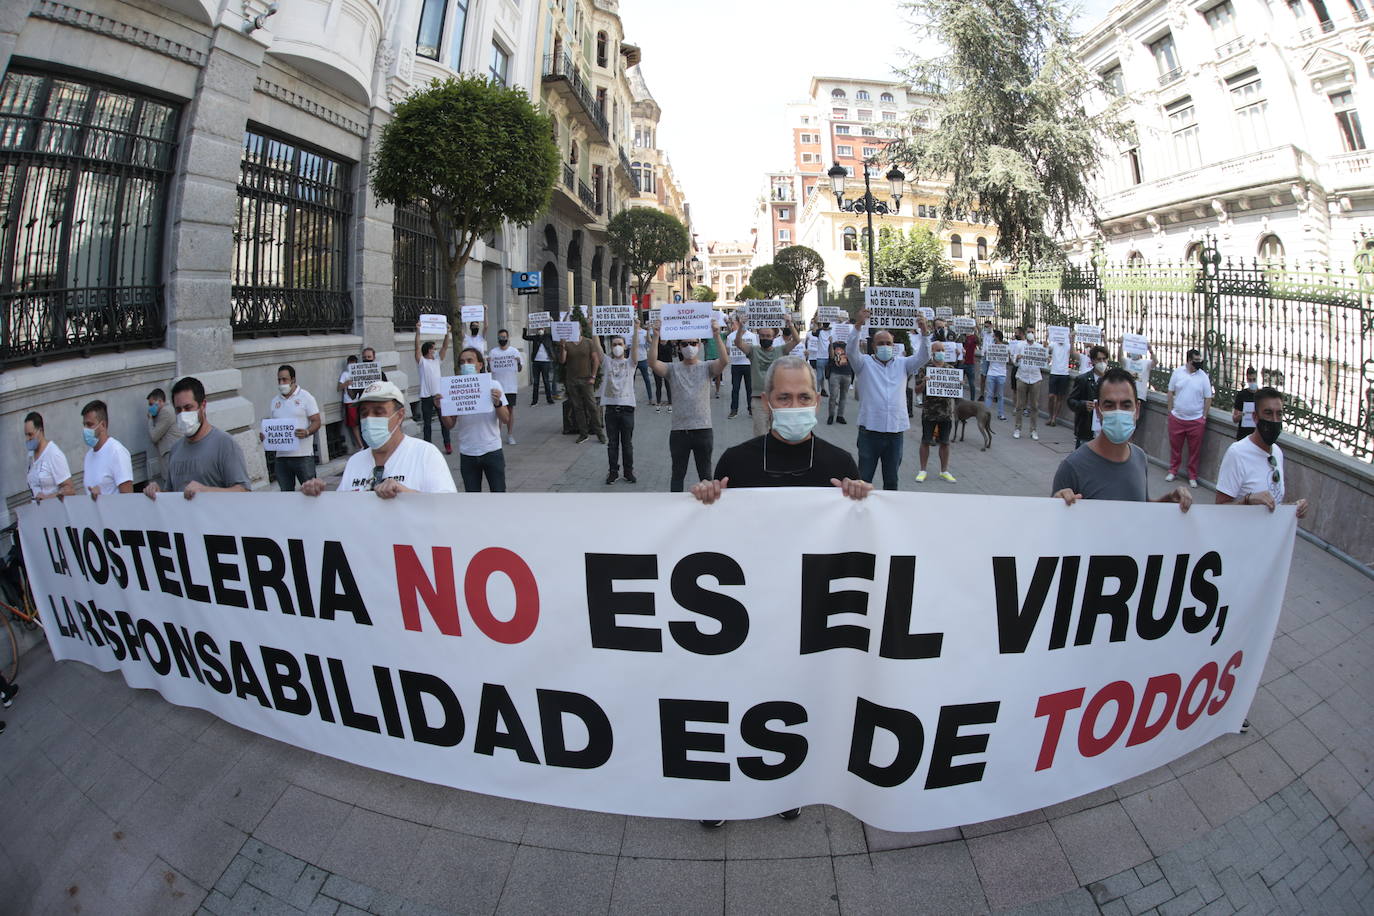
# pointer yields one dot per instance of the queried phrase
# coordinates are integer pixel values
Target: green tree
(768, 281)
(1014, 139)
(749, 292)
(907, 258)
(472, 155)
(645, 239)
(800, 267)
(703, 294)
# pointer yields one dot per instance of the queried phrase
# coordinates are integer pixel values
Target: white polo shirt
(300, 407)
(883, 406)
(1191, 391)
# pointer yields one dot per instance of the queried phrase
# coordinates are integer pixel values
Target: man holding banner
(506, 363)
(883, 420)
(479, 431)
(206, 459)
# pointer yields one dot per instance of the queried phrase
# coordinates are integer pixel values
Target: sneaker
(733, 414)
(630, 477)
(1192, 482)
(670, 408)
(580, 439)
(1016, 434)
(1245, 726)
(1035, 435)
(1170, 476)
(829, 421)
(921, 476)
(712, 825)
(510, 440)
(790, 814)
(1000, 417)
(946, 475)
(7, 699)
(656, 408)
(612, 477)
(448, 448)
(842, 420)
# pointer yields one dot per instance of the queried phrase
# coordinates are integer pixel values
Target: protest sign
(830, 313)
(1057, 335)
(654, 316)
(898, 348)
(964, 325)
(570, 331)
(1035, 356)
(462, 395)
(360, 375)
(500, 659)
(927, 313)
(1087, 333)
(892, 307)
(766, 313)
(996, 353)
(279, 436)
(984, 309)
(471, 313)
(944, 382)
(840, 333)
(433, 324)
(610, 320)
(944, 312)
(686, 320)
(539, 321)
(1134, 344)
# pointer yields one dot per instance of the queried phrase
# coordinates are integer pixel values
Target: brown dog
(964, 410)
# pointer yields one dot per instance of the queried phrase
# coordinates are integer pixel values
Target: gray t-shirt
(1086, 472)
(691, 395)
(214, 461)
(759, 361)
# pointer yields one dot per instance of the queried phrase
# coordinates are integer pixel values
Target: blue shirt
(883, 406)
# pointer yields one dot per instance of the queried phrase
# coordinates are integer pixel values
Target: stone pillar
(374, 240)
(13, 15)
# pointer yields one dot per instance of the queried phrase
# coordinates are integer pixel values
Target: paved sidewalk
(114, 801)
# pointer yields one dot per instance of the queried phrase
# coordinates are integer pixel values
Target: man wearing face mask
(541, 364)
(761, 355)
(206, 460)
(506, 362)
(1190, 400)
(1083, 397)
(472, 340)
(937, 416)
(48, 474)
(691, 434)
(739, 367)
(392, 462)
(294, 403)
(107, 467)
(429, 366)
(1111, 466)
(1243, 405)
(618, 401)
(883, 419)
(1028, 379)
(1252, 470)
(162, 427)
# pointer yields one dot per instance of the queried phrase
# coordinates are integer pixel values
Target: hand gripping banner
(919, 660)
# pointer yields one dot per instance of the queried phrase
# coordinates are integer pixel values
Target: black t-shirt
(810, 463)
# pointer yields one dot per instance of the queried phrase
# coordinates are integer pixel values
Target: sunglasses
(1274, 466)
(378, 475)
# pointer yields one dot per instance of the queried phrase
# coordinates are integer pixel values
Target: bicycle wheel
(9, 648)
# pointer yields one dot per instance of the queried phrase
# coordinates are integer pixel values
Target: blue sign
(677, 297)
(527, 280)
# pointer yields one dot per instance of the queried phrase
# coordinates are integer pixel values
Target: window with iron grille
(291, 239)
(417, 286)
(84, 175)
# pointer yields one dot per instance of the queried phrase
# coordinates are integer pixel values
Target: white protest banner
(1057, 335)
(1035, 356)
(944, 382)
(610, 320)
(462, 395)
(997, 353)
(944, 312)
(984, 309)
(570, 331)
(1135, 344)
(497, 659)
(363, 374)
(1087, 333)
(539, 321)
(685, 320)
(927, 313)
(433, 324)
(830, 313)
(964, 325)
(279, 436)
(471, 313)
(892, 307)
(766, 313)
(840, 333)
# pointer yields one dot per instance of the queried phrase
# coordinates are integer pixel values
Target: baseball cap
(382, 391)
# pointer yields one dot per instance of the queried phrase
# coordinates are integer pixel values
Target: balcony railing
(569, 176)
(563, 69)
(588, 198)
(1232, 47)
(1172, 76)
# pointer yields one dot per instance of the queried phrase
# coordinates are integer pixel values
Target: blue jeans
(492, 464)
(880, 447)
(643, 367)
(995, 387)
(820, 365)
(290, 471)
(736, 374)
(971, 376)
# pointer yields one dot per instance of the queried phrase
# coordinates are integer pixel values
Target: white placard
(612, 320)
(539, 321)
(654, 316)
(1087, 333)
(766, 313)
(570, 331)
(984, 309)
(280, 436)
(477, 313)
(434, 325)
(996, 353)
(1247, 415)
(927, 313)
(1135, 344)
(944, 382)
(964, 325)
(839, 333)
(830, 313)
(898, 348)
(1057, 335)
(944, 312)
(464, 395)
(685, 320)
(1035, 356)
(891, 297)
(360, 375)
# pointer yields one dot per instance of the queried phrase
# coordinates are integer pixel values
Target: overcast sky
(724, 70)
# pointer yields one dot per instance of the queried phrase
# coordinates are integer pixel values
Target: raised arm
(794, 339)
(722, 360)
(742, 338)
(443, 349)
(417, 342)
(654, 362)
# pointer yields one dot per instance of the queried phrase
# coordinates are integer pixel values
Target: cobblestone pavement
(114, 801)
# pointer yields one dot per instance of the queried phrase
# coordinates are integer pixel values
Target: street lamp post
(868, 203)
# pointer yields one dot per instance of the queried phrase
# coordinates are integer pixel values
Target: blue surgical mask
(152, 410)
(938, 356)
(1118, 425)
(884, 352)
(376, 430)
(89, 435)
(467, 369)
(794, 423)
(31, 444)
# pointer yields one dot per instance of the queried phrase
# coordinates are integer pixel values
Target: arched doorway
(549, 288)
(575, 293)
(598, 281)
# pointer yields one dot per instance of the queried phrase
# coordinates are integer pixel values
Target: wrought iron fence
(84, 173)
(418, 274)
(1308, 331)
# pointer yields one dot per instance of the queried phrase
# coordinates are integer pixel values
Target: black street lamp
(868, 203)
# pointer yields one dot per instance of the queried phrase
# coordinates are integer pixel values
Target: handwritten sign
(539, 321)
(465, 395)
(360, 375)
(613, 320)
(766, 313)
(280, 436)
(686, 320)
(473, 313)
(984, 309)
(434, 324)
(570, 331)
(1057, 335)
(1135, 344)
(944, 382)
(997, 353)
(1036, 356)
(944, 312)
(1087, 333)
(964, 325)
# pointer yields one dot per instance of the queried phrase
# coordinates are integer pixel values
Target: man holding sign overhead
(427, 365)
(882, 411)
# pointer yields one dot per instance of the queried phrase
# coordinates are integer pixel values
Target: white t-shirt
(1245, 469)
(618, 383)
(480, 433)
(505, 367)
(349, 394)
(642, 348)
(1140, 368)
(541, 353)
(477, 342)
(737, 356)
(429, 375)
(1190, 390)
(48, 471)
(416, 464)
(300, 407)
(107, 467)
(1059, 359)
(1028, 374)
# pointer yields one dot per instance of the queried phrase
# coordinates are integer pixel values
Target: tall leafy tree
(704, 294)
(1014, 138)
(645, 239)
(800, 267)
(471, 154)
(907, 258)
(769, 281)
(749, 292)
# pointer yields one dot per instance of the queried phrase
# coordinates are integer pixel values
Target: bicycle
(22, 612)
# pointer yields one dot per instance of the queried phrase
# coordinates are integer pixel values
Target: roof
(639, 90)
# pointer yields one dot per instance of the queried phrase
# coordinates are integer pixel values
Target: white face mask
(1030, 338)
(189, 421)
(617, 351)
(284, 389)
(1100, 367)
(689, 352)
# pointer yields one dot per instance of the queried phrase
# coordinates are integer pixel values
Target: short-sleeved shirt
(350, 394)
(107, 467)
(214, 461)
(505, 366)
(415, 464)
(1191, 391)
(970, 349)
(618, 383)
(759, 361)
(299, 407)
(1244, 401)
(429, 375)
(1085, 471)
(49, 470)
(812, 462)
(480, 433)
(1140, 368)
(579, 362)
(1027, 374)
(1059, 359)
(691, 395)
(1245, 469)
(475, 342)
(737, 356)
